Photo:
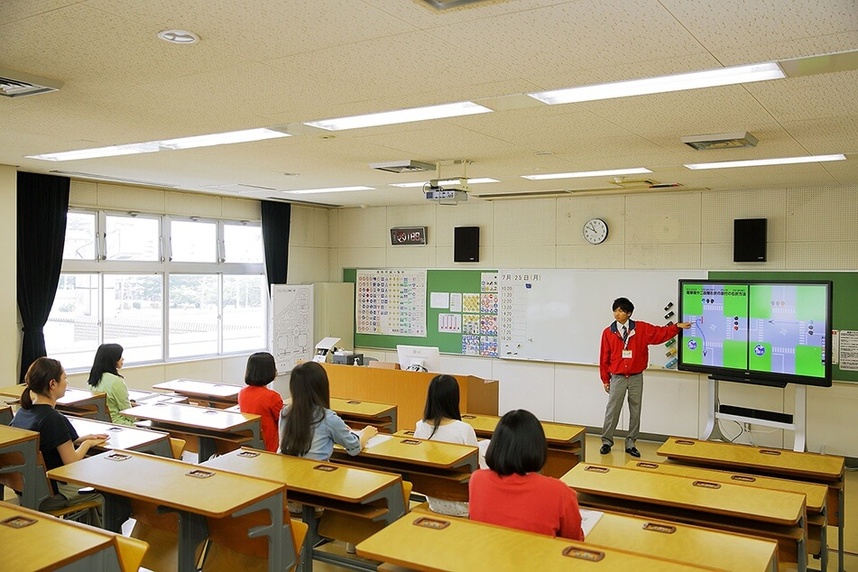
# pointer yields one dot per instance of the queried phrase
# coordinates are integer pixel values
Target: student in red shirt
(258, 399)
(513, 493)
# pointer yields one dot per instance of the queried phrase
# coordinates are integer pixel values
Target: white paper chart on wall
(291, 328)
(558, 315)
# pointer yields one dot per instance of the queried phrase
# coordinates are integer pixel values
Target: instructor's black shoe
(633, 451)
(605, 449)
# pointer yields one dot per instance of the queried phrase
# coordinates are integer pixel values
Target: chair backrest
(177, 447)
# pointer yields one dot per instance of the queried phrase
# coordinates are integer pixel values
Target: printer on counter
(346, 357)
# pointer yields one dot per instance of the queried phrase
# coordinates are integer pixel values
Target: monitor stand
(796, 422)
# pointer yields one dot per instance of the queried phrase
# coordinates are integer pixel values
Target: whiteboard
(558, 315)
(291, 327)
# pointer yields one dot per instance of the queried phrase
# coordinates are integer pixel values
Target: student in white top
(442, 421)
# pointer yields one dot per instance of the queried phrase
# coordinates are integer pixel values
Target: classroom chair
(177, 447)
(351, 529)
(15, 481)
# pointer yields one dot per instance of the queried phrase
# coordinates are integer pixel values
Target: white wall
(10, 360)
(670, 230)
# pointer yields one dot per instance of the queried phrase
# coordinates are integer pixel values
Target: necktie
(625, 333)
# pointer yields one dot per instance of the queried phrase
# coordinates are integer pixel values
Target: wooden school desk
(5, 414)
(566, 443)
(80, 402)
(684, 543)
(124, 437)
(815, 495)
(795, 465)
(139, 397)
(359, 414)
(768, 513)
(437, 543)
(361, 493)
(219, 395)
(73, 547)
(208, 431)
(204, 499)
(435, 468)
(19, 453)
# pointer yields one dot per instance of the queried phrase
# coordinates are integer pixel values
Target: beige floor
(648, 449)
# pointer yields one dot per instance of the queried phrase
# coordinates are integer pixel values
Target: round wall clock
(595, 231)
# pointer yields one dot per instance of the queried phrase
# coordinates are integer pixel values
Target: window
(164, 288)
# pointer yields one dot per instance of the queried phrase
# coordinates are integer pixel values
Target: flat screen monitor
(419, 358)
(770, 333)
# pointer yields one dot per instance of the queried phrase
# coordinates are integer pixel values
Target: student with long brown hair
(308, 426)
(58, 441)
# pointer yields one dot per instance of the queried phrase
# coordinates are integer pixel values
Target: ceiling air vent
(18, 84)
(720, 141)
(405, 166)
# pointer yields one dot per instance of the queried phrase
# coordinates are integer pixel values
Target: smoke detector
(720, 141)
(18, 84)
(404, 166)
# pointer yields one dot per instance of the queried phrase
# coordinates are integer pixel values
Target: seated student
(512, 492)
(308, 426)
(256, 398)
(58, 441)
(442, 421)
(104, 376)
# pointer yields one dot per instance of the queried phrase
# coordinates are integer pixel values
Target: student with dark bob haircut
(256, 398)
(308, 426)
(442, 421)
(512, 492)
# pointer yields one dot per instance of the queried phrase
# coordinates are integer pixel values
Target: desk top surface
(683, 542)
(815, 493)
(14, 435)
(765, 505)
(420, 452)
(554, 432)
(809, 465)
(119, 436)
(192, 416)
(306, 475)
(466, 545)
(68, 542)
(168, 482)
(360, 408)
(198, 388)
(73, 395)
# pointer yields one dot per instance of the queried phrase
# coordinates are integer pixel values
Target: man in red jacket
(623, 356)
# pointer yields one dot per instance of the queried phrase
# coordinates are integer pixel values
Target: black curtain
(43, 204)
(276, 218)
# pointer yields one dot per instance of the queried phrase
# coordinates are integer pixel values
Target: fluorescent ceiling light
(400, 116)
(476, 181)
(222, 138)
(663, 84)
(112, 151)
(581, 174)
(763, 162)
(329, 190)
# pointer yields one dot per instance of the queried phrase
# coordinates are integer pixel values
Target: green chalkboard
(450, 281)
(844, 312)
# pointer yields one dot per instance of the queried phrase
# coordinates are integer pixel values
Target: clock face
(595, 231)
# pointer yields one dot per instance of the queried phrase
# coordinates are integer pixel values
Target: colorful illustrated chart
(480, 318)
(391, 302)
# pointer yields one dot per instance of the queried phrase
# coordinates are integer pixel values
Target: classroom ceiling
(275, 63)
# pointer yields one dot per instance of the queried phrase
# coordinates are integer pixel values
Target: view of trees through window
(165, 289)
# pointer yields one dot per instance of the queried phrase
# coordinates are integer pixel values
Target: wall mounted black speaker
(749, 240)
(466, 244)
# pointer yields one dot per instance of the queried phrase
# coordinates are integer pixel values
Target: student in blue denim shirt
(308, 427)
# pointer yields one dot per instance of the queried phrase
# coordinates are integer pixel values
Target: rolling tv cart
(796, 422)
